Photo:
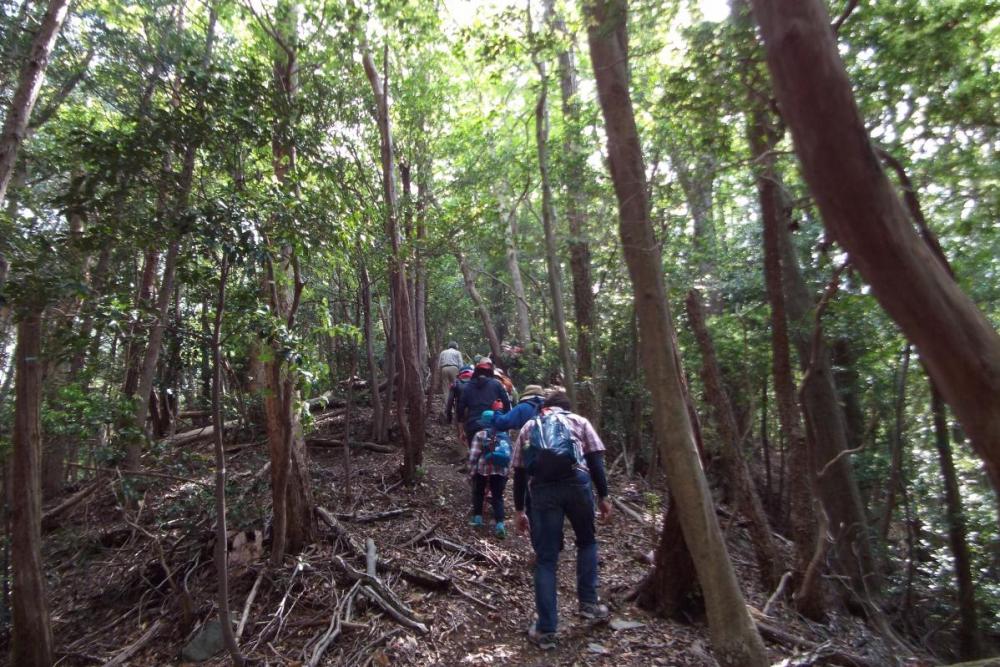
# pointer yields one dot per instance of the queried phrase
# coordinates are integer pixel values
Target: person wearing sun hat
(529, 405)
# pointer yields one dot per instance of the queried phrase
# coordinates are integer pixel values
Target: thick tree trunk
(576, 215)
(549, 224)
(668, 588)
(734, 636)
(32, 636)
(15, 124)
(736, 469)
(864, 215)
(484, 313)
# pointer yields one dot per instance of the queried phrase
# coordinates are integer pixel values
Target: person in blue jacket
(482, 393)
(527, 408)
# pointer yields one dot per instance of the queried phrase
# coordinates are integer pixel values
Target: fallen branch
(324, 401)
(628, 510)
(411, 573)
(333, 630)
(381, 595)
(142, 473)
(375, 516)
(125, 654)
(50, 515)
(370, 446)
(777, 593)
(247, 605)
(197, 434)
(472, 598)
(448, 545)
(831, 655)
(419, 537)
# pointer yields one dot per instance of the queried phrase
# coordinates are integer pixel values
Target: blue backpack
(498, 450)
(551, 455)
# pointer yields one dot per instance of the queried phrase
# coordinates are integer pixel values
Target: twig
(375, 516)
(334, 629)
(832, 462)
(371, 558)
(848, 10)
(628, 510)
(472, 598)
(380, 594)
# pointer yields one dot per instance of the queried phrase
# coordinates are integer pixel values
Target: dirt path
(109, 584)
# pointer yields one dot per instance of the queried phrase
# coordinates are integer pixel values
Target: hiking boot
(500, 530)
(594, 611)
(476, 521)
(546, 641)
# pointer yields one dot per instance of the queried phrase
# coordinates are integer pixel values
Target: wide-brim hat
(532, 390)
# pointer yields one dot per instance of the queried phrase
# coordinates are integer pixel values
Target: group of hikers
(558, 463)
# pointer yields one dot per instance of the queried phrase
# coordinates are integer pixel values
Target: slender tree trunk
(364, 283)
(516, 282)
(15, 124)
(32, 635)
(865, 216)
(148, 369)
(221, 533)
(411, 406)
(969, 634)
(549, 225)
(737, 471)
(576, 216)
(734, 636)
(896, 479)
(810, 600)
(484, 312)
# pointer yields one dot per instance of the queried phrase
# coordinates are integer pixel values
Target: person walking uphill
(449, 362)
(482, 393)
(527, 408)
(556, 458)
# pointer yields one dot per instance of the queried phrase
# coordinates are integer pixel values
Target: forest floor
(144, 579)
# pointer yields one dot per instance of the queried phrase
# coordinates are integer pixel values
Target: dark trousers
(550, 505)
(497, 484)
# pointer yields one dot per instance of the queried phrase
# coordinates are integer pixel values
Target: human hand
(522, 523)
(604, 509)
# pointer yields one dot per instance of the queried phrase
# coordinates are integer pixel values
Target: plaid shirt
(478, 465)
(585, 438)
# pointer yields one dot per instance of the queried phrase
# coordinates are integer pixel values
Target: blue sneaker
(501, 531)
(477, 521)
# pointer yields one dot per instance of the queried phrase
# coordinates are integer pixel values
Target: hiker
(489, 461)
(449, 362)
(556, 457)
(464, 375)
(507, 383)
(527, 408)
(482, 393)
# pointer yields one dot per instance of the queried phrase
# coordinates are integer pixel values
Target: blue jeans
(550, 504)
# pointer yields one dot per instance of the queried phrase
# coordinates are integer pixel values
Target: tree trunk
(668, 588)
(863, 213)
(896, 479)
(221, 553)
(411, 405)
(576, 215)
(291, 490)
(15, 124)
(969, 635)
(809, 599)
(148, 369)
(516, 282)
(32, 635)
(484, 312)
(549, 223)
(364, 283)
(734, 637)
(736, 469)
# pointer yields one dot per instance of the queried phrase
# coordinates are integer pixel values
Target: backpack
(550, 455)
(497, 450)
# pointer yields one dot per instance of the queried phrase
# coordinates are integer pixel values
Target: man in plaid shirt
(485, 471)
(553, 501)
